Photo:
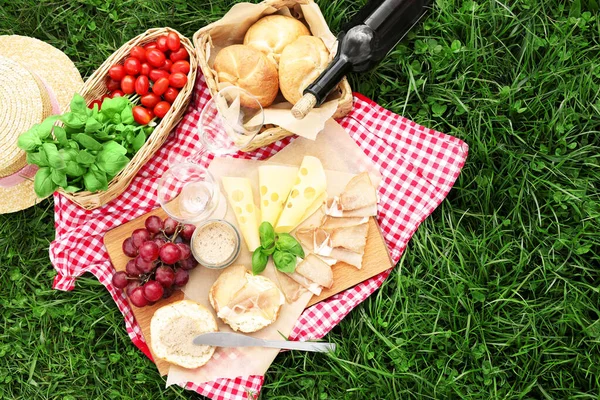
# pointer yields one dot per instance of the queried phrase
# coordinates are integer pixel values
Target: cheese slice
(310, 185)
(239, 193)
(275, 183)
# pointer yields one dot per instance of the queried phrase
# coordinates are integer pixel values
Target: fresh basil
(95, 180)
(29, 141)
(91, 125)
(85, 158)
(74, 169)
(259, 261)
(73, 121)
(38, 158)
(284, 261)
(111, 161)
(284, 248)
(78, 106)
(55, 159)
(266, 234)
(61, 135)
(88, 142)
(59, 177)
(43, 184)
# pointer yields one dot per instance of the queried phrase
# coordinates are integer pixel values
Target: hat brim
(18, 197)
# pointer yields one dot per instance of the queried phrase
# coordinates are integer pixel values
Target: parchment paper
(231, 30)
(342, 159)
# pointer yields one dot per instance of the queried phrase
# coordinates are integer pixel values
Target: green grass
(496, 296)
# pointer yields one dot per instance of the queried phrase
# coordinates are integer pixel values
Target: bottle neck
(328, 80)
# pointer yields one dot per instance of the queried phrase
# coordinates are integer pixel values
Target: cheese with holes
(239, 193)
(275, 182)
(309, 187)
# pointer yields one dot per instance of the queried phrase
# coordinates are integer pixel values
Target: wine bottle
(366, 39)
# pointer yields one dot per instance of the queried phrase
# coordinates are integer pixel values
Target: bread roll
(300, 64)
(249, 69)
(272, 33)
(174, 327)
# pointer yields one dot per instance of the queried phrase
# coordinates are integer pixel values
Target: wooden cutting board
(375, 261)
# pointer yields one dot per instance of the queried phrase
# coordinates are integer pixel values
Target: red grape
(131, 268)
(181, 277)
(139, 236)
(188, 263)
(178, 239)
(119, 279)
(170, 225)
(188, 231)
(165, 276)
(149, 251)
(132, 285)
(185, 250)
(144, 266)
(154, 224)
(137, 297)
(168, 292)
(153, 291)
(160, 241)
(170, 253)
(129, 248)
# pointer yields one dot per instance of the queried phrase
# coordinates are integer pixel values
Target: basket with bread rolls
(273, 50)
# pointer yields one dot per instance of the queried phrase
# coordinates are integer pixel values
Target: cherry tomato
(150, 100)
(155, 57)
(180, 54)
(178, 80)
(128, 84)
(141, 115)
(161, 44)
(151, 113)
(160, 86)
(150, 46)
(142, 84)
(146, 68)
(95, 102)
(180, 66)
(161, 109)
(112, 85)
(116, 72)
(171, 94)
(117, 93)
(167, 65)
(132, 66)
(138, 52)
(173, 41)
(156, 74)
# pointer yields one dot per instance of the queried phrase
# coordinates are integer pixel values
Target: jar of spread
(215, 243)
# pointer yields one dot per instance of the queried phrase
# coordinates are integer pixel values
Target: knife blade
(227, 339)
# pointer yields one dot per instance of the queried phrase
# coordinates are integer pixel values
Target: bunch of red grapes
(161, 258)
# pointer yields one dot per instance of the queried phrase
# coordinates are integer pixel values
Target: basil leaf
(266, 234)
(73, 144)
(127, 115)
(68, 154)
(111, 161)
(285, 242)
(112, 107)
(138, 141)
(55, 159)
(113, 146)
(29, 141)
(61, 135)
(259, 261)
(72, 189)
(74, 169)
(43, 184)
(78, 106)
(88, 142)
(59, 177)
(91, 125)
(284, 261)
(85, 158)
(73, 121)
(95, 180)
(297, 250)
(38, 158)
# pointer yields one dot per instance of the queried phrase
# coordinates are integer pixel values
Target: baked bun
(249, 69)
(245, 302)
(272, 33)
(300, 64)
(174, 327)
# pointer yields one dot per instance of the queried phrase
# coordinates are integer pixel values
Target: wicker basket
(270, 133)
(95, 87)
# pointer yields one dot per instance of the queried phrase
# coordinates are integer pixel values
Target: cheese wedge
(275, 183)
(239, 193)
(310, 185)
(317, 270)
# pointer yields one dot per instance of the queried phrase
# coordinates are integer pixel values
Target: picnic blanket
(418, 167)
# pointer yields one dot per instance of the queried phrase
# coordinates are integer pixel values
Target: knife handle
(319, 347)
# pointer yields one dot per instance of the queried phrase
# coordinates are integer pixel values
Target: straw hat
(36, 80)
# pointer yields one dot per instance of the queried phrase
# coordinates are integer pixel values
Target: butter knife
(227, 339)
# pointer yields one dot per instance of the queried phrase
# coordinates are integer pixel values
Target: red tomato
(116, 72)
(151, 113)
(180, 66)
(95, 102)
(161, 44)
(142, 84)
(141, 115)
(156, 74)
(161, 109)
(138, 52)
(171, 94)
(128, 84)
(160, 86)
(173, 42)
(112, 85)
(150, 46)
(132, 66)
(155, 57)
(178, 80)
(167, 65)
(150, 100)
(180, 54)
(145, 70)
(117, 93)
